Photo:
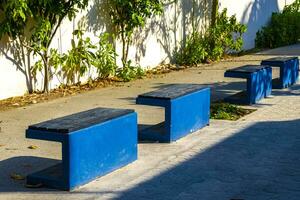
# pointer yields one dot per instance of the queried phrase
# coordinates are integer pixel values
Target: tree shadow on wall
(260, 11)
(21, 59)
(98, 18)
(167, 30)
(172, 27)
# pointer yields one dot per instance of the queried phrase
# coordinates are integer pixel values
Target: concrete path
(255, 158)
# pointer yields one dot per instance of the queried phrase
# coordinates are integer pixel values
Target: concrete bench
(94, 143)
(259, 83)
(187, 109)
(289, 70)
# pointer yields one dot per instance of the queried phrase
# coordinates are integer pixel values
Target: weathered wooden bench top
(173, 91)
(280, 59)
(80, 120)
(247, 69)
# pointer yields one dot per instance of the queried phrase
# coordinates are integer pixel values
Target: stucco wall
(253, 13)
(152, 46)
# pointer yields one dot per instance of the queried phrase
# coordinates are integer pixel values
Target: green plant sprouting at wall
(225, 36)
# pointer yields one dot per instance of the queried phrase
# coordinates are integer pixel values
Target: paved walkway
(255, 158)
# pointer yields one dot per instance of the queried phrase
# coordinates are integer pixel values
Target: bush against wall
(283, 29)
(224, 37)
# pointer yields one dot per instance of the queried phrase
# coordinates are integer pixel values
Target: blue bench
(259, 83)
(94, 143)
(187, 109)
(289, 70)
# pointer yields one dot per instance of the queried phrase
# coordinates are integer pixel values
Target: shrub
(194, 51)
(283, 29)
(130, 72)
(105, 58)
(225, 37)
(222, 38)
(77, 61)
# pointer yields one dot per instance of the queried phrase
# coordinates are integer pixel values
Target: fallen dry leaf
(32, 147)
(39, 185)
(17, 177)
(11, 149)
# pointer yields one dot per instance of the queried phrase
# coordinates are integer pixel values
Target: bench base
(154, 133)
(51, 177)
(183, 115)
(289, 70)
(277, 84)
(259, 84)
(88, 153)
(238, 98)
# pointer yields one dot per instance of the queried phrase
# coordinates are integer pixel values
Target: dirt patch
(62, 91)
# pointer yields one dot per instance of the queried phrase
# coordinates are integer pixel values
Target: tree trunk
(214, 12)
(29, 74)
(127, 50)
(46, 73)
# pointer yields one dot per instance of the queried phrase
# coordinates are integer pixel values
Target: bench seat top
(80, 120)
(247, 69)
(173, 91)
(280, 59)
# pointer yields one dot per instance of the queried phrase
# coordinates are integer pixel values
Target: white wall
(152, 46)
(253, 13)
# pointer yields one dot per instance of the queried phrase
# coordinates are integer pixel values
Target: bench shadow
(22, 165)
(258, 162)
(291, 91)
(218, 90)
(143, 127)
(293, 50)
(222, 90)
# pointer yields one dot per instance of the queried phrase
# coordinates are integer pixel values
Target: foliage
(283, 29)
(105, 58)
(214, 12)
(225, 37)
(222, 38)
(45, 17)
(226, 111)
(292, 8)
(193, 52)
(130, 72)
(14, 17)
(128, 15)
(77, 61)
(84, 55)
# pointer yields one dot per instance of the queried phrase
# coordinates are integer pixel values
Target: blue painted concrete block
(289, 70)
(259, 83)
(94, 143)
(187, 109)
